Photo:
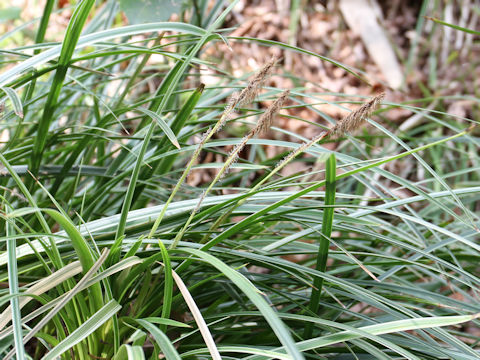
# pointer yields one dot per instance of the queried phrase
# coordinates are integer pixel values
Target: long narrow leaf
(161, 339)
(327, 224)
(87, 328)
(14, 98)
(13, 289)
(253, 294)
(78, 287)
(197, 315)
(162, 124)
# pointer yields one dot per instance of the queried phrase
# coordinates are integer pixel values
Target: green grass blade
(93, 323)
(35, 290)
(39, 38)
(89, 39)
(79, 243)
(127, 352)
(164, 165)
(249, 290)
(42, 287)
(42, 28)
(161, 339)
(453, 26)
(162, 125)
(78, 287)
(82, 249)
(178, 123)
(386, 328)
(296, 49)
(168, 288)
(72, 35)
(327, 225)
(52, 252)
(266, 354)
(15, 100)
(13, 289)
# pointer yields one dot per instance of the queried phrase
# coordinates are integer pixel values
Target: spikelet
(232, 102)
(248, 94)
(293, 154)
(223, 120)
(262, 126)
(203, 138)
(265, 121)
(233, 156)
(353, 120)
(347, 124)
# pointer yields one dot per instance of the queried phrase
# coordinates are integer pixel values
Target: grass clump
(110, 252)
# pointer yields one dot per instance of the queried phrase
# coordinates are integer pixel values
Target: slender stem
(244, 223)
(255, 188)
(192, 161)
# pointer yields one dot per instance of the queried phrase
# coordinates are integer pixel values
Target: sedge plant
(110, 250)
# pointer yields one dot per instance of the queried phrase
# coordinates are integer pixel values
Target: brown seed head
(249, 93)
(353, 120)
(267, 117)
(262, 126)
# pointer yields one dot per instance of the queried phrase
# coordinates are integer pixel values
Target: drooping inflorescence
(356, 118)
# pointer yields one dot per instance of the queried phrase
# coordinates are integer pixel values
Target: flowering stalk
(349, 123)
(262, 126)
(249, 93)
